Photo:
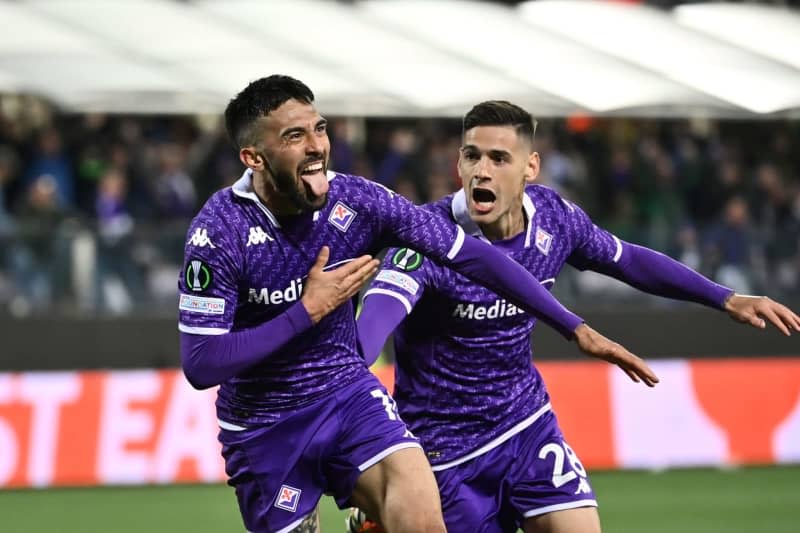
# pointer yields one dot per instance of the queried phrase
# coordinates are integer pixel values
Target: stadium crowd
(94, 208)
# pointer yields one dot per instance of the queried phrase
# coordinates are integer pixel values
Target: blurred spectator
(174, 190)
(118, 278)
(49, 159)
(39, 258)
(8, 170)
(731, 247)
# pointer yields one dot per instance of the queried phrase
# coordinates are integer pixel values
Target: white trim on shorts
(496, 442)
(229, 426)
(388, 451)
(560, 507)
(293, 525)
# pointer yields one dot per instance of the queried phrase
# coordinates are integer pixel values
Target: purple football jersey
(464, 378)
(244, 266)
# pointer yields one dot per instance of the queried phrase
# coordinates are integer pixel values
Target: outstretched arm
(658, 274)
(209, 360)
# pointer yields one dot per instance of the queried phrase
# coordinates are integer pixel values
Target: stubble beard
(294, 190)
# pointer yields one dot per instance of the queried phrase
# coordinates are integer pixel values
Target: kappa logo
(200, 239)
(258, 236)
(288, 498)
(543, 241)
(341, 216)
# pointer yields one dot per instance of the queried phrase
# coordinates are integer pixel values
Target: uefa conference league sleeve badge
(197, 275)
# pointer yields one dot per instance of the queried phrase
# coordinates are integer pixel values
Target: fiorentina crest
(288, 497)
(543, 241)
(341, 216)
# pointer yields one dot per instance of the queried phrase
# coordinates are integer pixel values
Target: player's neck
(277, 203)
(507, 226)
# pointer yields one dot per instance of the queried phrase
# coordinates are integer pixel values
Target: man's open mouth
(483, 199)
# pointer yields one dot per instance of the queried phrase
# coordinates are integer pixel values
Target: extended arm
(658, 274)
(209, 360)
(661, 275)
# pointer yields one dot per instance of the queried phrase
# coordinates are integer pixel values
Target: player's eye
(470, 155)
(322, 128)
(295, 136)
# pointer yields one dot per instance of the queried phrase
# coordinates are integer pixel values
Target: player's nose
(483, 169)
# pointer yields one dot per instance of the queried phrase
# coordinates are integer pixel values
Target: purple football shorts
(281, 470)
(532, 473)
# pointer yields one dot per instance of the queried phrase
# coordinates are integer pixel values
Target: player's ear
(532, 168)
(250, 157)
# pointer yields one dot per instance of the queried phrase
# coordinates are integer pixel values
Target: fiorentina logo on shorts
(543, 241)
(341, 216)
(288, 497)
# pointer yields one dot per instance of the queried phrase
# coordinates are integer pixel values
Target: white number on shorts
(388, 403)
(390, 407)
(559, 476)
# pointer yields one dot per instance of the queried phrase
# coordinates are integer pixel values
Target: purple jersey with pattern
(464, 376)
(243, 266)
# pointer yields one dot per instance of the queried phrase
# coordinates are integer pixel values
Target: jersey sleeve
(208, 282)
(592, 246)
(404, 224)
(404, 275)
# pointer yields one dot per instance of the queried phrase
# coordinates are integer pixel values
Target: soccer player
(464, 383)
(299, 411)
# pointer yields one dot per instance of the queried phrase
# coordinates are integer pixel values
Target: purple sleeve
(493, 269)
(658, 274)
(380, 315)
(209, 360)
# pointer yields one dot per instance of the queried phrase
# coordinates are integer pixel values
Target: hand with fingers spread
(596, 345)
(756, 310)
(324, 290)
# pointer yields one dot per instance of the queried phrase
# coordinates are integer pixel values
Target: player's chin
(482, 216)
(317, 202)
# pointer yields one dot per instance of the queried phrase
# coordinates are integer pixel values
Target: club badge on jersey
(543, 241)
(341, 216)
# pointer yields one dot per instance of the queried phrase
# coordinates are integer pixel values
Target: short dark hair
(257, 100)
(501, 113)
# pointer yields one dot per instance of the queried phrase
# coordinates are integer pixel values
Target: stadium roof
(407, 57)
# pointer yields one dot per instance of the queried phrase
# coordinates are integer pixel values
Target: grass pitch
(749, 500)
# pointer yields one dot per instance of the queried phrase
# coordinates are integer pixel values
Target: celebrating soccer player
(300, 414)
(464, 380)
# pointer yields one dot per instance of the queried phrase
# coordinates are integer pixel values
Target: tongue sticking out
(316, 181)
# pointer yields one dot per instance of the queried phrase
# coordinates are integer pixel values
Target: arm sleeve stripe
(619, 249)
(456, 245)
(202, 331)
(393, 294)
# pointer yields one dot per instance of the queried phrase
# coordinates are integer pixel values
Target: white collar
(462, 218)
(243, 188)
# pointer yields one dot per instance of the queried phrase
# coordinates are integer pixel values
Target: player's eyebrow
(494, 153)
(293, 129)
(301, 129)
